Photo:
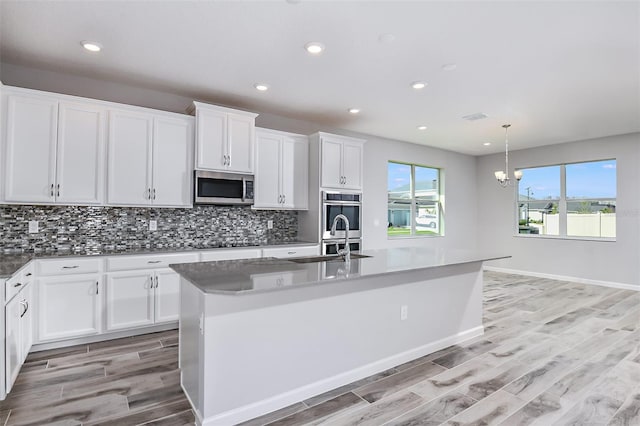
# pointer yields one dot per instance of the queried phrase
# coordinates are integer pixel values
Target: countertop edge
(20, 260)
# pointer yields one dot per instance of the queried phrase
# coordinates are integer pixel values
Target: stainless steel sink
(328, 258)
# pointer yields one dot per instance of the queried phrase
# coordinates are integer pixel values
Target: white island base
(243, 356)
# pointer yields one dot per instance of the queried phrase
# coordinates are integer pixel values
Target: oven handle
(341, 203)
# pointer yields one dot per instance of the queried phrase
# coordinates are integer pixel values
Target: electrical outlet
(269, 224)
(153, 225)
(33, 227)
(404, 312)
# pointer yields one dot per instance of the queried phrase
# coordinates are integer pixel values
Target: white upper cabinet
(341, 161)
(80, 154)
(282, 167)
(129, 158)
(54, 150)
(172, 161)
(224, 138)
(149, 159)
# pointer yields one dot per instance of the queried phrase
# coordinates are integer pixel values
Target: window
(576, 200)
(413, 200)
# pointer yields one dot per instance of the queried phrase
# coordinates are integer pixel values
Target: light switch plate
(153, 225)
(33, 227)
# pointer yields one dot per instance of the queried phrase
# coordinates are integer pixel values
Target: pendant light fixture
(503, 176)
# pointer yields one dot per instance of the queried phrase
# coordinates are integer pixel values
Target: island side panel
(263, 359)
(191, 345)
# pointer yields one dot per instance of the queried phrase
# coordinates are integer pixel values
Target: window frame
(413, 202)
(562, 204)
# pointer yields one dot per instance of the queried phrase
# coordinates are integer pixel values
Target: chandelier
(503, 176)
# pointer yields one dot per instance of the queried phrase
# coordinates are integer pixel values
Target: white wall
(459, 190)
(609, 261)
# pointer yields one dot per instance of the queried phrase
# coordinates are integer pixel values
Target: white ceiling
(557, 70)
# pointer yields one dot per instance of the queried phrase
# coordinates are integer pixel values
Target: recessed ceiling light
(261, 87)
(486, 143)
(314, 47)
(418, 85)
(449, 67)
(354, 110)
(422, 127)
(91, 46)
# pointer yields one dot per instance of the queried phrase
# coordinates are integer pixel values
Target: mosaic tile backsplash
(87, 229)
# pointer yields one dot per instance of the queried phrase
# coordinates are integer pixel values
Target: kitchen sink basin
(329, 258)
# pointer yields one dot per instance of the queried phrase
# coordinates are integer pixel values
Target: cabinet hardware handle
(70, 267)
(228, 160)
(154, 261)
(154, 193)
(156, 281)
(97, 286)
(28, 274)
(58, 190)
(284, 198)
(26, 307)
(291, 252)
(148, 193)
(17, 284)
(51, 190)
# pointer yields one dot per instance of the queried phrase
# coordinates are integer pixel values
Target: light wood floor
(553, 353)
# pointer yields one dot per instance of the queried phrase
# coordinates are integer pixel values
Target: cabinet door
(13, 344)
(129, 158)
(267, 177)
(26, 322)
(172, 170)
(68, 306)
(352, 165)
(211, 139)
(241, 141)
(80, 154)
(129, 299)
(167, 297)
(287, 172)
(295, 172)
(331, 163)
(30, 149)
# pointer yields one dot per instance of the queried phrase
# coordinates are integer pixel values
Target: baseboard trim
(103, 336)
(285, 399)
(564, 278)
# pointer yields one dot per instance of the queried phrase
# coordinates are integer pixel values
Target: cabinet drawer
(68, 266)
(124, 263)
(230, 254)
(291, 251)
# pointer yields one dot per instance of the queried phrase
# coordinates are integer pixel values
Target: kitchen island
(259, 334)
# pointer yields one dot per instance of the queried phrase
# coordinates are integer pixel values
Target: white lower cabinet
(19, 333)
(69, 306)
(13, 344)
(167, 299)
(140, 298)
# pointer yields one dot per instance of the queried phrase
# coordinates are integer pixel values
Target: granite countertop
(252, 276)
(12, 261)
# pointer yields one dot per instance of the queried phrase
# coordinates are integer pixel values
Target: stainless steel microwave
(223, 188)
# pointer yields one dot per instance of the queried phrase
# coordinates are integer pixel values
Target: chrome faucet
(346, 251)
